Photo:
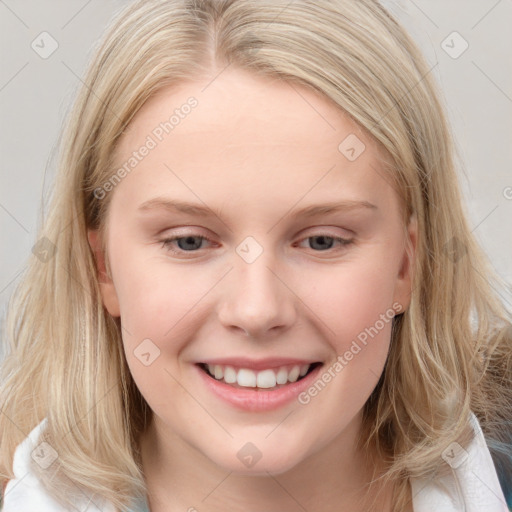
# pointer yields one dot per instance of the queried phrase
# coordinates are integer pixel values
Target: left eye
(188, 246)
(325, 239)
(192, 243)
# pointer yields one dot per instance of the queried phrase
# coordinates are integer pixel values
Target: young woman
(260, 291)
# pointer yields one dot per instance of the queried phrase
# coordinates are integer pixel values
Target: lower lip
(258, 399)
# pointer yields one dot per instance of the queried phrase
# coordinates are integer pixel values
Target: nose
(256, 299)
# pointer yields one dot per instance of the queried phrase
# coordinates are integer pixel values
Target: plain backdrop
(468, 42)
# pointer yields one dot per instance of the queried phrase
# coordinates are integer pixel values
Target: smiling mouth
(268, 379)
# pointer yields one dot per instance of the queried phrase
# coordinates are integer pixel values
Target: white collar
(472, 486)
(25, 492)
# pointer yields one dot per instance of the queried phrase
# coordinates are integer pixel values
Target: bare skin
(254, 151)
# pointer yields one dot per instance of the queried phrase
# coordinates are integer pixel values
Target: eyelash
(166, 243)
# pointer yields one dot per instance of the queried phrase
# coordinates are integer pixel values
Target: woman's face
(263, 283)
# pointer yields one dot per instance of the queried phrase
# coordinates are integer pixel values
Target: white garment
(473, 485)
(25, 492)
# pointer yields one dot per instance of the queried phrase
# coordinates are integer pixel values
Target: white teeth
(229, 375)
(246, 378)
(218, 372)
(294, 374)
(264, 379)
(282, 376)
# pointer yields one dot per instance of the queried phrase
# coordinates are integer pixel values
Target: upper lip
(258, 364)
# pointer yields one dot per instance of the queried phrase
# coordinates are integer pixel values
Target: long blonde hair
(450, 351)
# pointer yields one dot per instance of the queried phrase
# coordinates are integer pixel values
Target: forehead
(248, 134)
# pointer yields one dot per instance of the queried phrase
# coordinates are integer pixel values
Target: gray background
(36, 92)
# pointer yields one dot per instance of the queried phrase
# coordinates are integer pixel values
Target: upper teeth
(261, 379)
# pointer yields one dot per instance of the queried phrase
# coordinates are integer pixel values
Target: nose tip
(257, 329)
(256, 302)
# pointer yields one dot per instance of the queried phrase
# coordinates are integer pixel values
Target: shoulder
(472, 484)
(25, 491)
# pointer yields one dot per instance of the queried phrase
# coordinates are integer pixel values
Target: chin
(249, 461)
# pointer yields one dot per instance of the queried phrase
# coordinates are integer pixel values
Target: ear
(403, 287)
(108, 291)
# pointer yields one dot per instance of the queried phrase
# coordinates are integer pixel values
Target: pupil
(188, 240)
(322, 241)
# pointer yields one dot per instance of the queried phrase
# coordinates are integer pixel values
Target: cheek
(352, 298)
(354, 305)
(154, 294)
(156, 305)
(161, 307)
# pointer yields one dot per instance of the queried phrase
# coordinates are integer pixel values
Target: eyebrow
(173, 205)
